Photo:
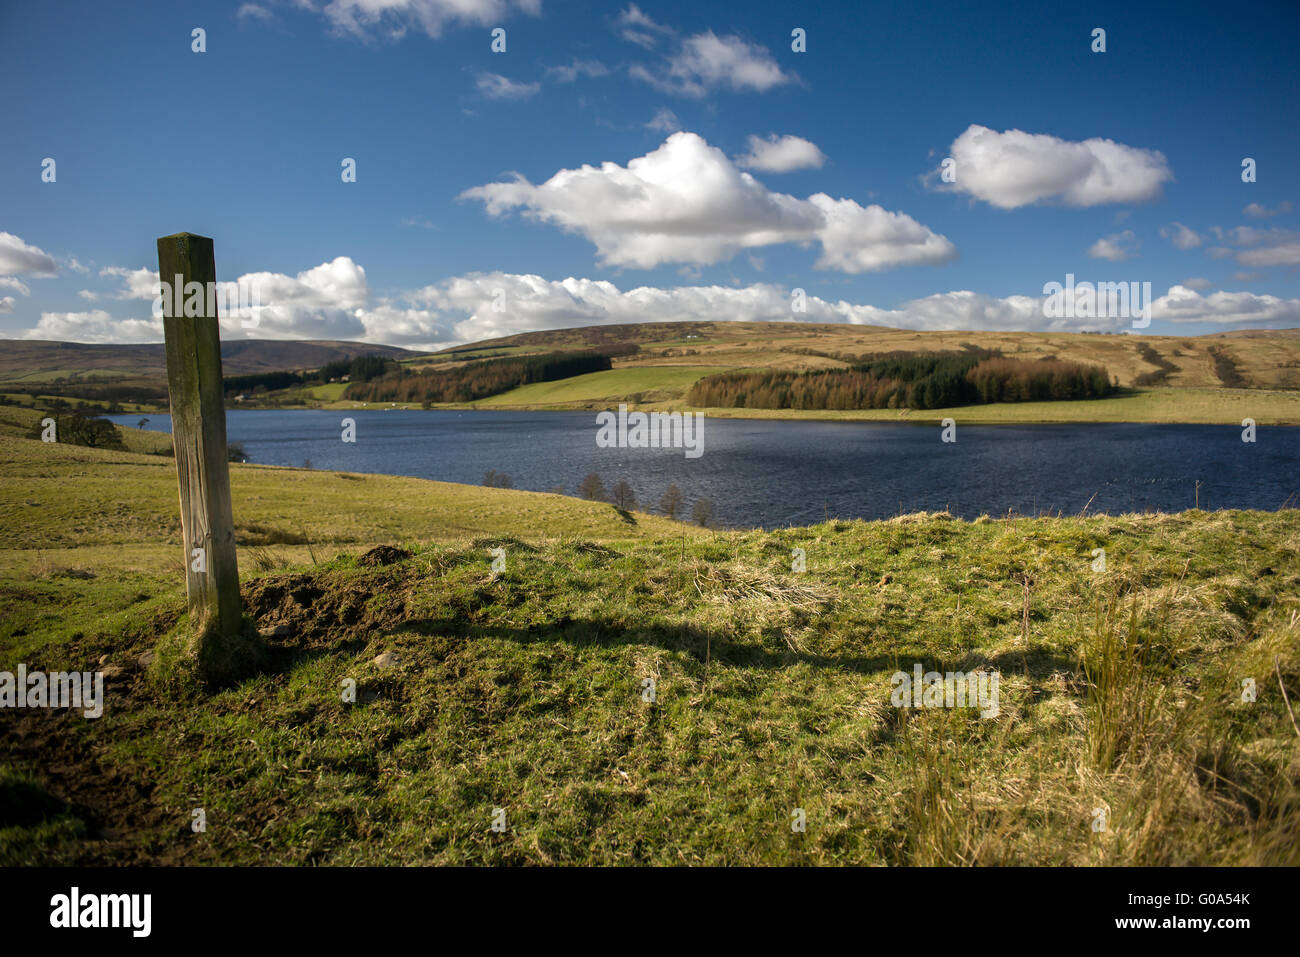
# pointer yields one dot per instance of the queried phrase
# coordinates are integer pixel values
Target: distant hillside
(28, 362)
(1251, 359)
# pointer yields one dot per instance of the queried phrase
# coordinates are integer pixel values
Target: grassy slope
(1208, 406)
(668, 382)
(661, 374)
(1198, 386)
(90, 507)
(524, 690)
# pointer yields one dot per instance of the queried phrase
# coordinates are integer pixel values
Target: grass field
(1210, 406)
(526, 690)
(651, 383)
(1218, 379)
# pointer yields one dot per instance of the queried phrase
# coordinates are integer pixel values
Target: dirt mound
(383, 555)
(318, 611)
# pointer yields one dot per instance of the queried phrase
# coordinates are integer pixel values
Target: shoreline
(1169, 406)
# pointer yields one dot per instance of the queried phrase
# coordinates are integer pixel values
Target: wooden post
(199, 438)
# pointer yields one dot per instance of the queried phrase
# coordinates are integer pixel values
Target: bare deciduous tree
(703, 512)
(671, 503)
(592, 487)
(623, 495)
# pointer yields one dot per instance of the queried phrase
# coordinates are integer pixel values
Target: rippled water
(771, 473)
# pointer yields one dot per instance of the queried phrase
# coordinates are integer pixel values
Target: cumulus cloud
(1180, 235)
(461, 309)
(1183, 305)
(707, 62)
(1197, 283)
(94, 326)
(332, 301)
(136, 283)
(1266, 247)
(17, 257)
(1114, 248)
(1015, 168)
(17, 285)
(497, 87)
(1257, 247)
(1256, 211)
(324, 302)
(365, 19)
(7, 303)
(686, 202)
(781, 154)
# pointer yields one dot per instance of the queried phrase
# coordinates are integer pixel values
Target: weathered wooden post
(187, 268)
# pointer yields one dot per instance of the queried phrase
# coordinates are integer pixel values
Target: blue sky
(1115, 166)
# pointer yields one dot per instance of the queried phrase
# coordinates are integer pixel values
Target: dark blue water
(772, 473)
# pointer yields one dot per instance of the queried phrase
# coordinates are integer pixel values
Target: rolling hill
(29, 362)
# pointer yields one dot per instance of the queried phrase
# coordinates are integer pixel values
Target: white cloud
(17, 257)
(664, 121)
(94, 326)
(460, 309)
(17, 285)
(567, 74)
(324, 302)
(139, 283)
(1256, 211)
(1015, 169)
(497, 87)
(1258, 247)
(331, 301)
(781, 154)
(687, 202)
(7, 303)
(538, 304)
(1114, 248)
(1266, 247)
(251, 11)
(88, 295)
(1197, 283)
(1184, 305)
(392, 18)
(635, 27)
(1180, 236)
(707, 62)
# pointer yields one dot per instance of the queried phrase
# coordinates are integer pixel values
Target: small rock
(277, 631)
(103, 659)
(110, 671)
(387, 660)
(146, 659)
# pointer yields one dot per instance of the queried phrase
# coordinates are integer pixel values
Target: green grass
(66, 503)
(1209, 406)
(523, 690)
(665, 382)
(16, 422)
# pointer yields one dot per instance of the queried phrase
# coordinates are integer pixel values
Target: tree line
(476, 380)
(358, 369)
(928, 380)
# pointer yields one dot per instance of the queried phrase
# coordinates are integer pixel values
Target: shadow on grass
(703, 644)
